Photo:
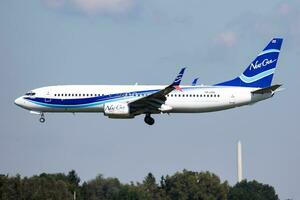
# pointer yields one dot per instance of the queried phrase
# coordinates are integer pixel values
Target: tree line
(184, 185)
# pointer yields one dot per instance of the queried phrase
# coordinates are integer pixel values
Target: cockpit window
(30, 93)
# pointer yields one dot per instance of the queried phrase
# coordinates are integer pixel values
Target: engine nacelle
(117, 110)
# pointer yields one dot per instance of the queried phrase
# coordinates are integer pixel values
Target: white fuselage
(92, 98)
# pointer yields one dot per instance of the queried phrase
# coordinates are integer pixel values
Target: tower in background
(239, 162)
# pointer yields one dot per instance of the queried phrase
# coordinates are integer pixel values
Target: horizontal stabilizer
(270, 89)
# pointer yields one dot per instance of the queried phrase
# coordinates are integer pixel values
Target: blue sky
(50, 42)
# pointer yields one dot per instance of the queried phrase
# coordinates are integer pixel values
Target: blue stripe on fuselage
(85, 102)
(93, 101)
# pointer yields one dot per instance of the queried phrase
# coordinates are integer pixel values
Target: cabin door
(48, 98)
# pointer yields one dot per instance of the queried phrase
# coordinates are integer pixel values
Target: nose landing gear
(149, 120)
(42, 118)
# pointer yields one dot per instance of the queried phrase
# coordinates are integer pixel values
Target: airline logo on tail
(264, 63)
(260, 72)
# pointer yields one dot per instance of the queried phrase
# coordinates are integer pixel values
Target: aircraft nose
(18, 101)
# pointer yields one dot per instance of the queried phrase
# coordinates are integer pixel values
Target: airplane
(128, 101)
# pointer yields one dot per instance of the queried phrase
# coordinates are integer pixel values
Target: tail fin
(260, 72)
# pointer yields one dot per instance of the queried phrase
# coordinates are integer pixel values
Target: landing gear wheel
(42, 120)
(149, 120)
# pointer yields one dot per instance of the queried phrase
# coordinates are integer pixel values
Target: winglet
(194, 83)
(178, 78)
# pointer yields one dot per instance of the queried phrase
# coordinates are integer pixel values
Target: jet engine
(117, 110)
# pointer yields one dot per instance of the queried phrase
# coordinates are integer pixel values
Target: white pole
(239, 162)
(74, 195)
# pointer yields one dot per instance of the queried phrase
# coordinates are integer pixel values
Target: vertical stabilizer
(260, 72)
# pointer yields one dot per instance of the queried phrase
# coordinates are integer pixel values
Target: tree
(73, 178)
(193, 185)
(150, 188)
(185, 185)
(73, 181)
(252, 191)
(101, 188)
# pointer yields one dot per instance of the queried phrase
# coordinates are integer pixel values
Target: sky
(54, 42)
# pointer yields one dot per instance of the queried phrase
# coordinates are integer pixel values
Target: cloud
(284, 8)
(93, 7)
(254, 29)
(283, 20)
(227, 39)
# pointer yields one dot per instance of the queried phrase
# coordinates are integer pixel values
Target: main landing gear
(42, 118)
(148, 119)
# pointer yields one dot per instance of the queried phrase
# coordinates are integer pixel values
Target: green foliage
(34, 188)
(194, 185)
(185, 185)
(101, 188)
(252, 191)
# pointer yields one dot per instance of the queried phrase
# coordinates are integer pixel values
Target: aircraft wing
(155, 102)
